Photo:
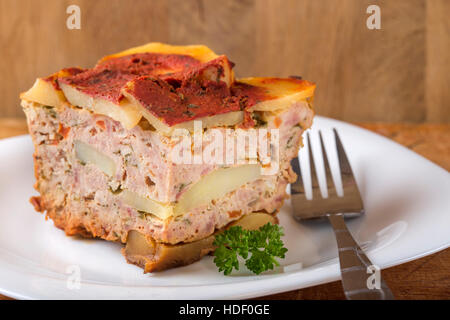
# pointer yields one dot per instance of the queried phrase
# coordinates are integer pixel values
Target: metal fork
(355, 266)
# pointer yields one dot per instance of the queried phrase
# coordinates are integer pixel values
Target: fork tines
(318, 206)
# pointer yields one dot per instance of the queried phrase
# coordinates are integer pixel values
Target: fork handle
(361, 280)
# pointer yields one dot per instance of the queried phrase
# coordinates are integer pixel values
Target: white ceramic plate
(407, 199)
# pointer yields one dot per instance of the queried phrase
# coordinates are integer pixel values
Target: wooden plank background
(398, 73)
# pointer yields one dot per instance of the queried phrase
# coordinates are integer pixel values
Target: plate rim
(262, 283)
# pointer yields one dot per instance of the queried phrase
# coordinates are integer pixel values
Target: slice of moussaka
(159, 147)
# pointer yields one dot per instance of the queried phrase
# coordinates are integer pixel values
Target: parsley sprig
(263, 245)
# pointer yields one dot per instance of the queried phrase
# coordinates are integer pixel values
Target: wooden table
(426, 278)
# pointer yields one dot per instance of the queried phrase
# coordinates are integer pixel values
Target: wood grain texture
(398, 73)
(426, 278)
(11, 127)
(438, 60)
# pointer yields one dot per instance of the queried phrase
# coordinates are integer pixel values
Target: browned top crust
(170, 86)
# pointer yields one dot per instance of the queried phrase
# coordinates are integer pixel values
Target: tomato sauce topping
(174, 88)
(187, 100)
(252, 94)
(106, 79)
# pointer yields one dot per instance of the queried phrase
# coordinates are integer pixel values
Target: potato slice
(270, 116)
(199, 52)
(87, 154)
(152, 256)
(126, 113)
(215, 185)
(140, 203)
(280, 93)
(212, 186)
(45, 90)
(44, 93)
(219, 120)
(254, 220)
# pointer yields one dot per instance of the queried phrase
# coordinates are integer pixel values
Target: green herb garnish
(263, 245)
